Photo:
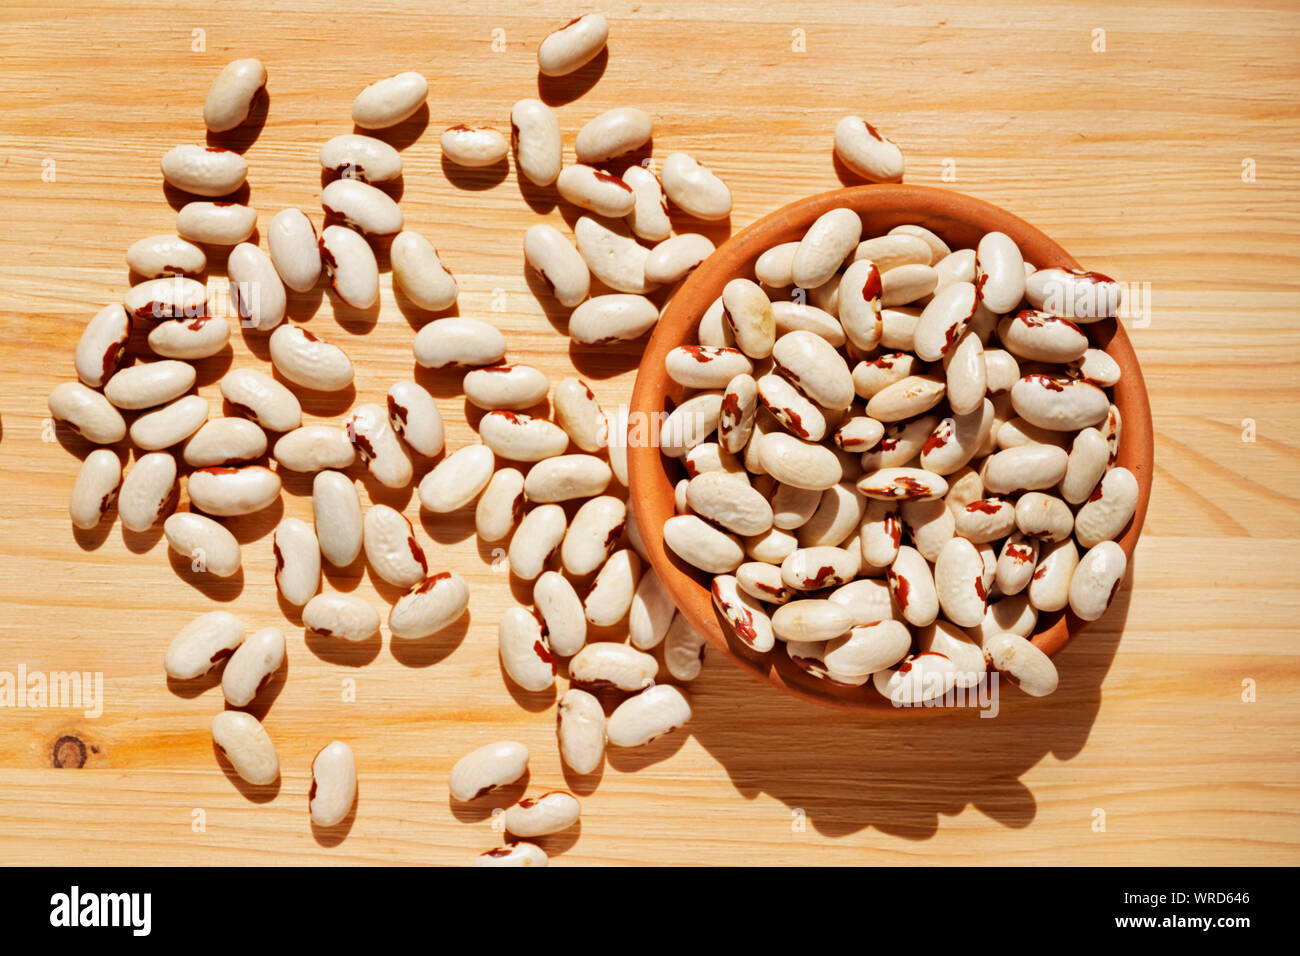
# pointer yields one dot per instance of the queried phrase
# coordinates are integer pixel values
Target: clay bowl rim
(960, 220)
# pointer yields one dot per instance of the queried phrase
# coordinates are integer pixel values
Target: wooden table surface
(1158, 142)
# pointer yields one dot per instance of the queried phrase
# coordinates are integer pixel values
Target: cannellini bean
(944, 319)
(1110, 430)
(580, 726)
(610, 597)
(351, 265)
(868, 649)
(1108, 509)
(1049, 588)
(690, 423)
(701, 545)
(796, 414)
(1039, 337)
(967, 374)
(1001, 370)
(714, 329)
(500, 505)
(95, 489)
(369, 430)
(204, 170)
(145, 386)
(694, 189)
(799, 463)
(559, 264)
(458, 479)
(907, 284)
(651, 612)
(811, 620)
(354, 156)
(1097, 367)
(474, 146)
(340, 615)
(911, 584)
(309, 361)
(573, 45)
(672, 259)
(867, 600)
(216, 223)
(255, 287)
(172, 297)
(613, 255)
(906, 398)
(958, 581)
(699, 366)
(209, 546)
(605, 664)
(146, 491)
(566, 477)
(438, 602)
(256, 394)
(511, 387)
(252, 665)
(903, 484)
(956, 266)
(1074, 294)
(1059, 403)
(763, 581)
(1022, 663)
(684, 650)
(333, 784)
(957, 439)
(985, 520)
(170, 424)
(459, 343)
(389, 101)
(245, 743)
(561, 612)
(655, 711)
(1016, 563)
(952, 642)
(898, 326)
(775, 267)
(612, 134)
(772, 547)
(861, 148)
(420, 274)
(578, 413)
(513, 854)
(617, 317)
(919, 678)
(414, 415)
(715, 495)
(223, 491)
(649, 217)
(481, 771)
(337, 512)
(902, 442)
(550, 813)
(165, 255)
(1014, 614)
(859, 305)
(527, 659)
(595, 528)
(824, 247)
(889, 252)
(535, 135)
(190, 339)
(931, 524)
(595, 190)
(294, 248)
(747, 312)
(536, 539)
(297, 561)
(1096, 579)
(999, 272)
(202, 644)
(736, 413)
(391, 548)
(1043, 517)
(872, 376)
(310, 448)
(838, 514)
(821, 566)
(231, 94)
(1024, 468)
(811, 363)
(797, 316)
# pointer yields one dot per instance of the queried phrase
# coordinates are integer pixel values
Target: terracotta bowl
(961, 221)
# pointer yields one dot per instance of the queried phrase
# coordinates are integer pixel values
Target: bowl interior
(961, 221)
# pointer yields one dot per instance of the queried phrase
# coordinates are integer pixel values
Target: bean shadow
(481, 808)
(252, 792)
(556, 843)
(246, 133)
(475, 178)
(608, 360)
(336, 650)
(404, 133)
(256, 526)
(556, 313)
(416, 316)
(540, 199)
(558, 90)
(901, 773)
(92, 539)
(351, 319)
(347, 578)
(450, 527)
(266, 695)
(176, 198)
(189, 689)
(207, 584)
(440, 382)
(533, 701)
(332, 836)
(302, 306)
(427, 651)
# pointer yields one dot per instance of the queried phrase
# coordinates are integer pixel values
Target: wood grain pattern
(1132, 158)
